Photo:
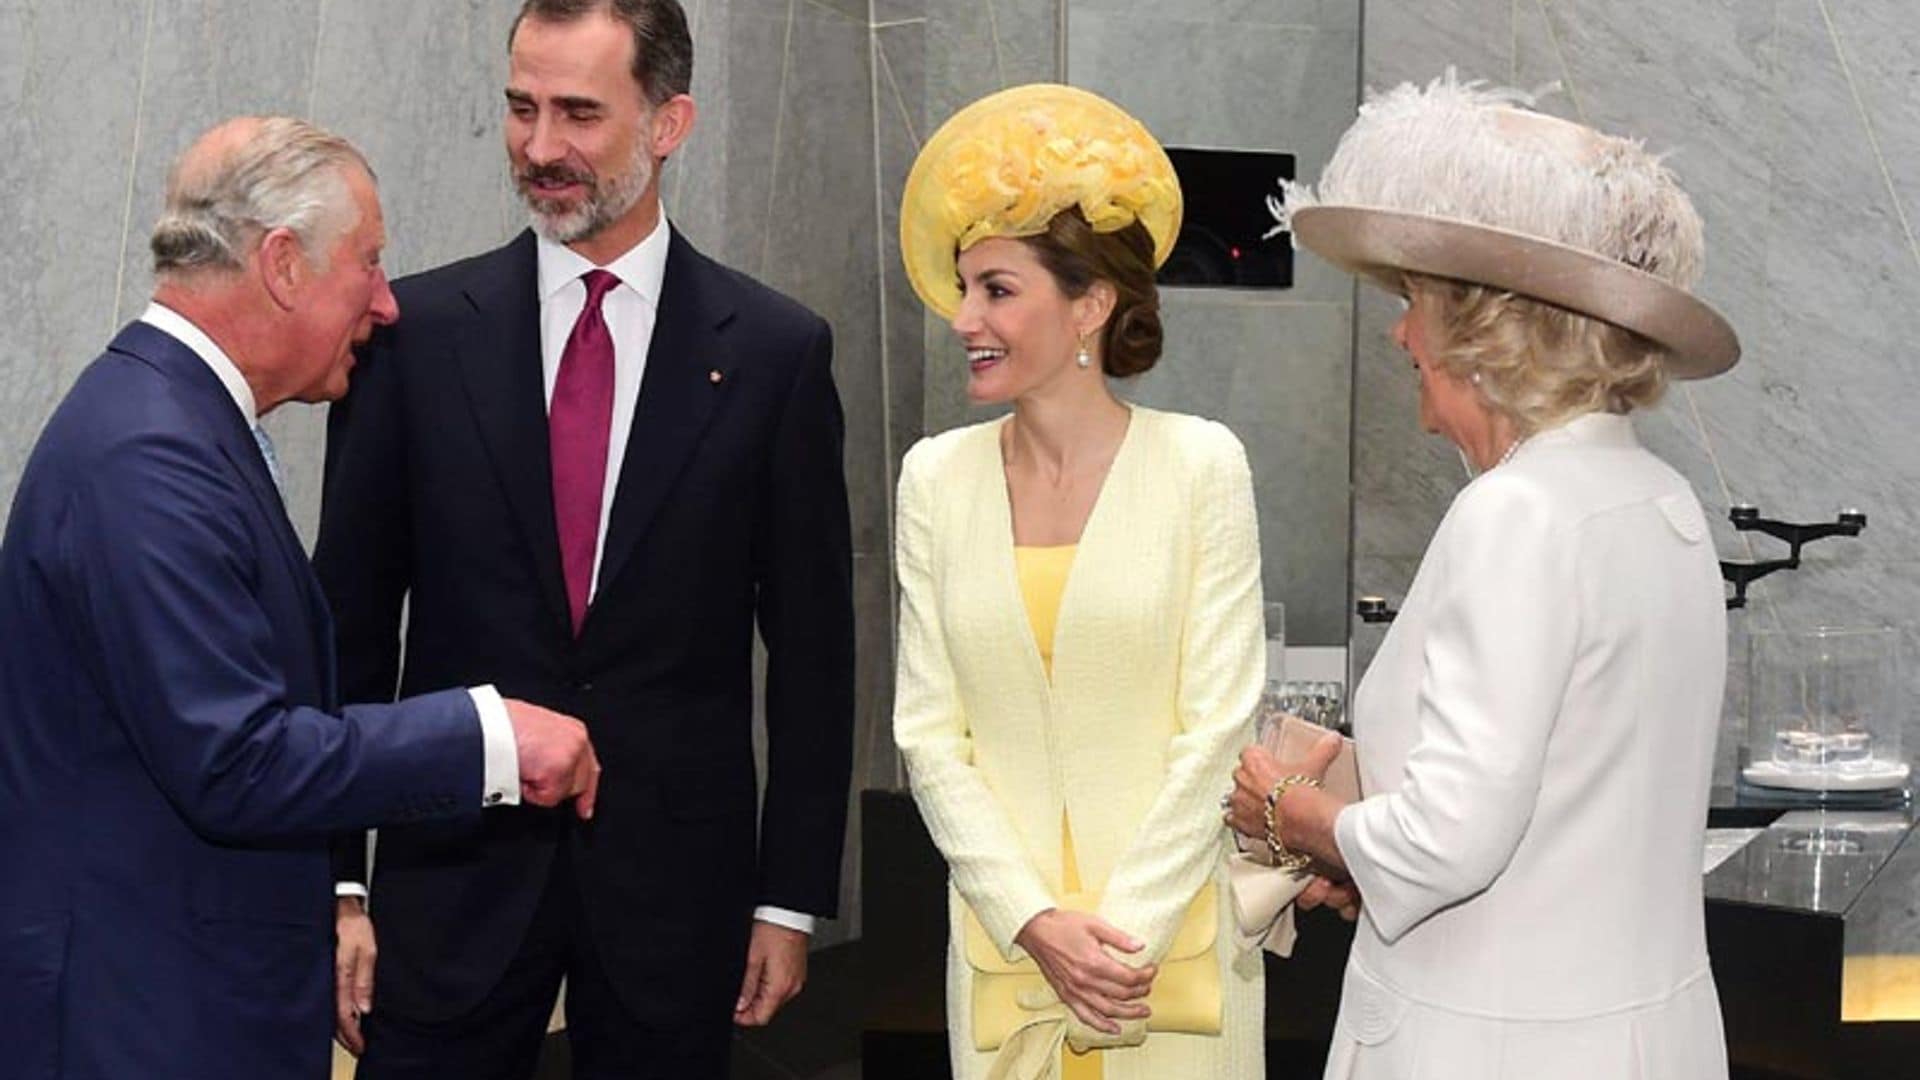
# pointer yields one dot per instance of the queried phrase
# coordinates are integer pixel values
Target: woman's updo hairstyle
(1077, 256)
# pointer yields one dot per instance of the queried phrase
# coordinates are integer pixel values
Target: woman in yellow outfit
(1080, 623)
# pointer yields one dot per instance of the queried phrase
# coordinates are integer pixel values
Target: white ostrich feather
(1475, 153)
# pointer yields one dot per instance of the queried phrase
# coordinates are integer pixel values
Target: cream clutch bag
(1290, 740)
(1186, 995)
(1263, 895)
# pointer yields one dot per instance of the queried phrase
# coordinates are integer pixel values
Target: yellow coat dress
(1157, 663)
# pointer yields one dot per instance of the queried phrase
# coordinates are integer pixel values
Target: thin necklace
(1508, 455)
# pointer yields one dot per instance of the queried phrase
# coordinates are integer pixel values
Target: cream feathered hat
(1460, 180)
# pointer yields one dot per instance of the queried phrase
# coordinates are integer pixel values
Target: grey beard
(604, 205)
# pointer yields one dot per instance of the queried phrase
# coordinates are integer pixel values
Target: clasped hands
(1304, 819)
(1071, 950)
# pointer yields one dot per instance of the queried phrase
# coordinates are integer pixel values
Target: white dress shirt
(501, 777)
(629, 310)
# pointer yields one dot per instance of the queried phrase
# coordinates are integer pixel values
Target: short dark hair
(662, 47)
(1077, 256)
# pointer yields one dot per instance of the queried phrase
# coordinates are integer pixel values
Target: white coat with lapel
(1536, 738)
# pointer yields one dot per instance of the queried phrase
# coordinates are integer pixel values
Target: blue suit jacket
(171, 763)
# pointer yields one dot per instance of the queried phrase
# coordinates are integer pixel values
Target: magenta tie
(578, 422)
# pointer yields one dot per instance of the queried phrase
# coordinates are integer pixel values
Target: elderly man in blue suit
(172, 757)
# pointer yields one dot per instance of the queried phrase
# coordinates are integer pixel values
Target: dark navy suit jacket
(170, 762)
(730, 514)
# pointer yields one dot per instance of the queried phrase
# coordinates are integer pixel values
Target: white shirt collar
(642, 268)
(177, 326)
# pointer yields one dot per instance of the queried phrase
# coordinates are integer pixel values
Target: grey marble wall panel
(693, 186)
(418, 87)
(854, 10)
(758, 63)
(1276, 373)
(194, 79)
(1323, 14)
(823, 180)
(70, 95)
(978, 47)
(1827, 402)
(1404, 41)
(891, 12)
(1265, 86)
(1878, 42)
(876, 761)
(900, 51)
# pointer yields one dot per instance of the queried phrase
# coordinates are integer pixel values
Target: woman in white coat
(1536, 733)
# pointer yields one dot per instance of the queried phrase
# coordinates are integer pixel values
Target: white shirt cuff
(502, 756)
(349, 888)
(778, 916)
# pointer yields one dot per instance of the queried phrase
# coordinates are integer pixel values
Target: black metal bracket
(1374, 609)
(1746, 518)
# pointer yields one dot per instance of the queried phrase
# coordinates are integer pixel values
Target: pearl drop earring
(1083, 357)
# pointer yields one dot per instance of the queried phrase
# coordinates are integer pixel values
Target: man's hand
(776, 970)
(352, 972)
(557, 761)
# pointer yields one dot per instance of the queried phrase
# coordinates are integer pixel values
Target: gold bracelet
(1282, 858)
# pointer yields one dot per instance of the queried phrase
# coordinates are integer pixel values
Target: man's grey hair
(287, 174)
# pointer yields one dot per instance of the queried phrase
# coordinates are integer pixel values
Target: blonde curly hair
(1538, 364)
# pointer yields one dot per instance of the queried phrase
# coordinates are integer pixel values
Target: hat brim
(1384, 244)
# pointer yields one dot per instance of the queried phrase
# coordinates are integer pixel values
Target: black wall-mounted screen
(1221, 242)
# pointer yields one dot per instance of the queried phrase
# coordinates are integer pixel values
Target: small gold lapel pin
(714, 376)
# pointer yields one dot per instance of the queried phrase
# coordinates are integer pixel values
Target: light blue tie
(273, 461)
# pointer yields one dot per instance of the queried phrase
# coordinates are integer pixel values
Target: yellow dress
(1043, 577)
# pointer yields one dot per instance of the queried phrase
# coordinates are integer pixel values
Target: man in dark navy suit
(589, 464)
(173, 760)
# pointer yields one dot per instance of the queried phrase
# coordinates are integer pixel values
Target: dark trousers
(500, 1038)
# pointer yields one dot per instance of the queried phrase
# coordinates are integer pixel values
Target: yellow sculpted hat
(1006, 164)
